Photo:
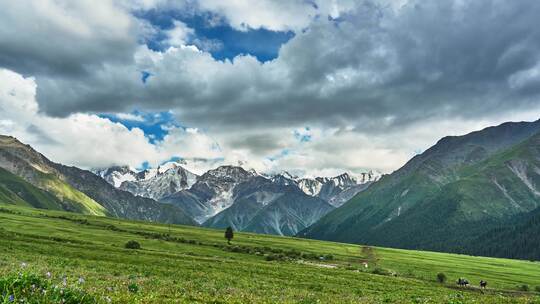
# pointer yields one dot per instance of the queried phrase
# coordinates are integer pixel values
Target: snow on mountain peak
(153, 183)
(116, 175)
(369, 176)
(171, 178)
(288, 175)
(167, 166)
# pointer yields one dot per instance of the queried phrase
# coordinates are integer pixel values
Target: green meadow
(52, 256)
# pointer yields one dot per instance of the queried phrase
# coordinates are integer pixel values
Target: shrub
(523, 287)
(293, 253)
(328, 257)
(132, 245)
(112, 227)
(276, 250)
(309, 256)
(441, 277)
(270, 257)
(274, 257)
(133, 288)
(537, 288)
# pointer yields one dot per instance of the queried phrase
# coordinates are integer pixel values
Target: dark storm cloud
(373, 66)
(258, 143)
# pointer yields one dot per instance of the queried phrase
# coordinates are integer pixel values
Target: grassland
(181, 264)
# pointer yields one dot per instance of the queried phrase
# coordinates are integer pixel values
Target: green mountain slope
(36, 172)
(79, 190)
(521, 239)
(15, 191)
(447, 197)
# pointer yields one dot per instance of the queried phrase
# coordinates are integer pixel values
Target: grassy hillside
(72, 199)
(14, 190)
(448, 197)
(181, 264)
(59, 195)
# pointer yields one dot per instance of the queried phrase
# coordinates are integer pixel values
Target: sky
(312, 87)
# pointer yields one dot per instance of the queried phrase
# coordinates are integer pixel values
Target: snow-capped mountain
(284, 204)
(335, 190)
(264, 206)
(117, 175)
(154, 183)
(161, 184)
(243, 199)
(211, 194)
(310, 186)
(331, 188)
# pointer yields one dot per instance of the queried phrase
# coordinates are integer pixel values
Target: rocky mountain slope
(288, 214)
(78, 190)
(232, 196)
(211, 194)
(447, 197)
(264, 206)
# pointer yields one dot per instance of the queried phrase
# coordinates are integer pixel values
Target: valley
(182, 264)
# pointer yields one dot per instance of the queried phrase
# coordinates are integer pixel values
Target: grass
(180, 264)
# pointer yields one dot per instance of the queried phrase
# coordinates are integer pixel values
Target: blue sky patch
(145, 165)
(155, 125)
(216, 37)
(304, 135)
(281, 154)
(144, 76)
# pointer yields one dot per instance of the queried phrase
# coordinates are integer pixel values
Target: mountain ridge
(233, 196)
(80, 190)
(457, 185)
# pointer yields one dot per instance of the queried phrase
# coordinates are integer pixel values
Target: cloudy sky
(311, 86)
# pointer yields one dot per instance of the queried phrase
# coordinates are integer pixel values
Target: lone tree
(441, 277)
(229, 234)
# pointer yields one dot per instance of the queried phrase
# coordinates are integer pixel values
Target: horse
(483, 284)
(462, 282)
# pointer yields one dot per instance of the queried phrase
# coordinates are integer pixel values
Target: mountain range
(335, 190)
(478, 194)
(243, 199)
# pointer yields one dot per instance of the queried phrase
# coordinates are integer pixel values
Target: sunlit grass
(181, 264)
